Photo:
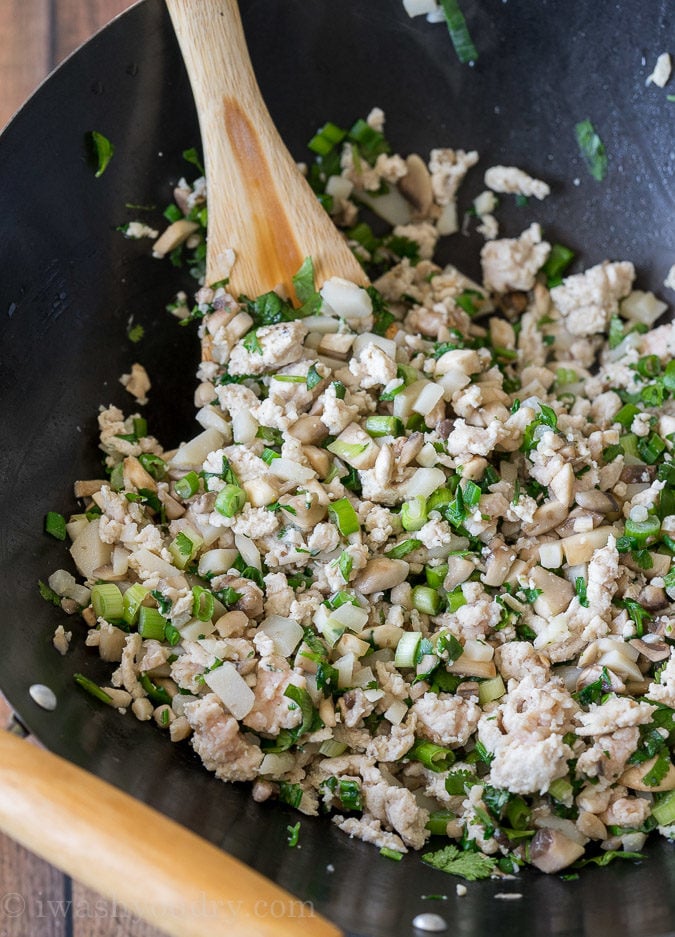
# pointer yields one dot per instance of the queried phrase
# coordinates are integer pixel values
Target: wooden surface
(35, 35)
(35, 899)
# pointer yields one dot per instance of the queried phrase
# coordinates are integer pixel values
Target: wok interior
(70, 282)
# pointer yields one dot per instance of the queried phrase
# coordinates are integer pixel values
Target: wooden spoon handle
(259, 203)
(136, 856)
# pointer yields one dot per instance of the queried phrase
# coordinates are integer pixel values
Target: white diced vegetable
(228, 684)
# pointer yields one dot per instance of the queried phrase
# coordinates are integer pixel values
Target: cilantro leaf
(658, 770)
(606, 857)
(251, 343)
(471, 866)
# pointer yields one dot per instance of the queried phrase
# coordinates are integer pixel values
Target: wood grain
(36, 35)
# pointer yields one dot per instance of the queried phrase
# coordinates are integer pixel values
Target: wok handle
(134, 855)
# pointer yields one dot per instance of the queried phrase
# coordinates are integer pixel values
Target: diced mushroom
(174, 235)
(595, 500)
(556, 593)
(551, 851)
(85, 489)
(652, 650)
(547, 516)
(499, 562)
(303, 511)
(415, 186)
(309, 430)
(579, 548)
(380, 574)
(634, 777)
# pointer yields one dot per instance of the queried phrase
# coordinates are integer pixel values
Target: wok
(69, 283)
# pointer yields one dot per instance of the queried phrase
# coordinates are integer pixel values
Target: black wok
(69, 283)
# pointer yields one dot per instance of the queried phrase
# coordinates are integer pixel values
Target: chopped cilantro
(471, 866)
(592, 149)
(251, 343)
(103, 151)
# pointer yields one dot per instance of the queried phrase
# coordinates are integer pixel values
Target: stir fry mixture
(416, 569)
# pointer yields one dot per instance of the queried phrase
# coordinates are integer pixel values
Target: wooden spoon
(138, 857)
(259, 203)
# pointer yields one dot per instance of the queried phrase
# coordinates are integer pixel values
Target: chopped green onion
(347, 450)
(230, 500)
(414, 513)
(648, 366)
(558, 261)
(289, 378)
(403, 549)
(426, 600)
(518, 814)
(626, 415)
(293, 834)
(151, 623)
(92, 688)
(117, 477)
(156, 693)
(455, 599)
(669, 377)
(435, 575)
(440, 499)
(642, 531)
(391, 853)
(561, 789)
(344, 516)
(107, 601)
(432, 756)
(55, 525)
(592, 149)
(664, 809)
(406, 649)
(132, 601)
(384, 426)
(331, 748)
(103, 150)
(203, 603)
(345, 563)
(459, 31)
(629, 444)
(326, 138)
(490, 690)
(269, 455)
(172, 635)
(651, 448)
(187, 486)
(438, 821)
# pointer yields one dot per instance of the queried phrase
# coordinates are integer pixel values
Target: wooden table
(36, 900)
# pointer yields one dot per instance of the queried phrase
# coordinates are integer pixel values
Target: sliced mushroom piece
(85, 489)
(415, 186)
(499, 561)
(318, 459)
(551, 851)
(380, 574)
(174, 235)
(652, 650)
(556, 593)
(579, 548)
(595, 500)
(635, 775)
(546, 517)
(302, 511)
(309, 430)
(135, 476)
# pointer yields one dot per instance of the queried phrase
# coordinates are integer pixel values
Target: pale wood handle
(134, 855)
(259, 203)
